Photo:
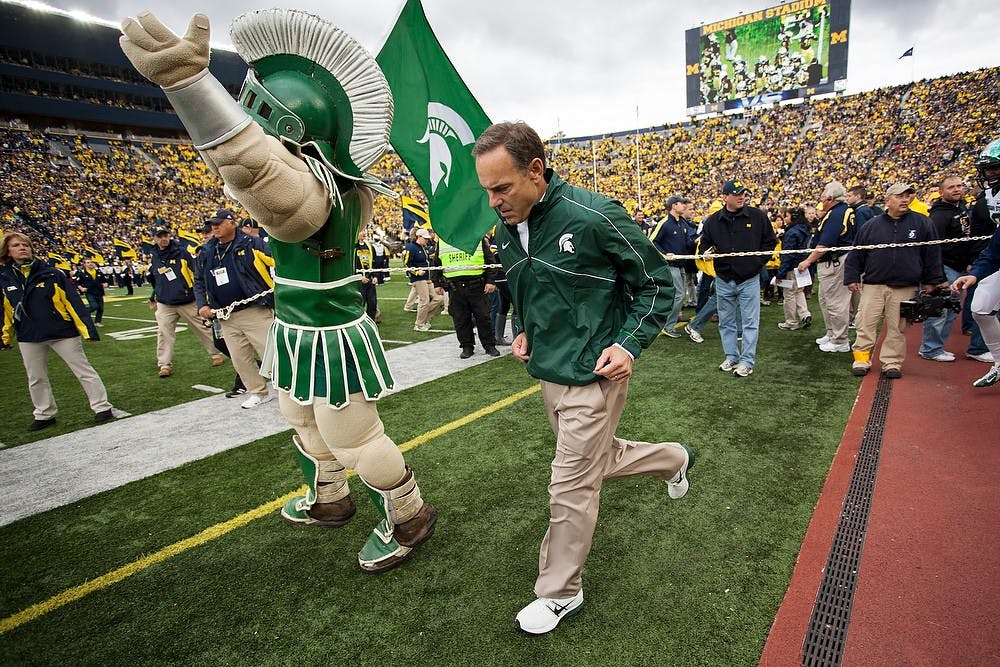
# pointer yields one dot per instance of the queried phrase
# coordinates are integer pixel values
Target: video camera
(930, 304)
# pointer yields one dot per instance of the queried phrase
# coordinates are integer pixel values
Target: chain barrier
(224, 313)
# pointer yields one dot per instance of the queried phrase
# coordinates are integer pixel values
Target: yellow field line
(220, 529)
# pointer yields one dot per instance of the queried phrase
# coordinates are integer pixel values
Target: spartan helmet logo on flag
(443, 123)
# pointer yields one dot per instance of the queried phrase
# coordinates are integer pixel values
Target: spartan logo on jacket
(443, 123)
(566, 244)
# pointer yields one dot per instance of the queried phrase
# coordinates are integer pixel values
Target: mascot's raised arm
(314, 113)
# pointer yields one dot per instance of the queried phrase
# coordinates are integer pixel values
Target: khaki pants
(36, 362)
(584, 420)
(428, 301)
(246, 331)
(876, 301)
(353, 435)
(796, 306)
(166, 330)
(834, 300)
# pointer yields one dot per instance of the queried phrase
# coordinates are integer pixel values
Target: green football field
(194, 566)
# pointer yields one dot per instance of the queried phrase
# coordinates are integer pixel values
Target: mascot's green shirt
(588, 279)
(324, 345)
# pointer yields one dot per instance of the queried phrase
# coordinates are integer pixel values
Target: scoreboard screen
(792, 50)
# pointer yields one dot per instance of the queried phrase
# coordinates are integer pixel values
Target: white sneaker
(943, 356)
(743, 371)
(823, 341)
(985, 357)
(727, 366)
(254, 401)
(544, 614)
(989, 379)
(693, 335)
(678, 485)
(422, 327)
(833, 347)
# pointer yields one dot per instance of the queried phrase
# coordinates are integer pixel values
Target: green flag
(436, 122)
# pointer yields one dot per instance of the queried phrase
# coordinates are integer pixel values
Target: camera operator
(891, 276)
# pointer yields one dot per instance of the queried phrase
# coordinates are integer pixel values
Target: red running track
(928, 589)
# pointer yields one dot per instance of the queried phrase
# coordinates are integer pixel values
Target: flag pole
(593, 152)
(638, 162)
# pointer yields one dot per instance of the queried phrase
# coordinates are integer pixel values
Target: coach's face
(512, 190)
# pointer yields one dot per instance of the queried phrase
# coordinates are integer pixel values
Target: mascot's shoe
(419, 529)
(677, 486)
(328, 501)
(382, 552)
(407, 522)
(330, 515)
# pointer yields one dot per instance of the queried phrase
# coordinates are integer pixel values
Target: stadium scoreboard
(795, 49)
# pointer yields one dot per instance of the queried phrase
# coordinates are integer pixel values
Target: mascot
(314, 113)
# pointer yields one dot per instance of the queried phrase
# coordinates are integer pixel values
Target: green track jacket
(588, 279)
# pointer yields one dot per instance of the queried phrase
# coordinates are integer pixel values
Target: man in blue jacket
(591, 292)
(673, 236)
(888, 276)
(234, 275)
(171, 274)
(737, 227)
(90, 281)
(836, 229)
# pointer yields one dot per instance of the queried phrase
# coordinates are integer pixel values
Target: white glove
(159, 54)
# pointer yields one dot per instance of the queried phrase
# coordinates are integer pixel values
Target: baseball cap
(734, 188)
(223, 214)
(423, 232)
(677, 200)
(159, 231)
(898, 189)
(249, 222)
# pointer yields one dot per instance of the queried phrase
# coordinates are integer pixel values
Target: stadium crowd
(81, 197)
(66, 191)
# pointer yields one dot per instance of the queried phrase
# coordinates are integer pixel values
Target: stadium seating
(68, 188)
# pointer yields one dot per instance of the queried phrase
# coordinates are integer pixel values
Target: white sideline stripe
(129, 319)
(101, 458)
(205, 387)
(397, 342)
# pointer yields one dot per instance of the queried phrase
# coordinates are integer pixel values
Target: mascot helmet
(990, 157)
(310, 84)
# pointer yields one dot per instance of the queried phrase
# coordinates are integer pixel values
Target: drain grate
(824, 642)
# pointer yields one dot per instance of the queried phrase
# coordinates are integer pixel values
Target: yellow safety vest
(452, 256)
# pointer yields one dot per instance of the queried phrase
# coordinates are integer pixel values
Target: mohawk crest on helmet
(312, 85)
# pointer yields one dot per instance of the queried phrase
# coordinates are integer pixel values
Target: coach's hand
(159, 54)
(615, 364)
(519, 347)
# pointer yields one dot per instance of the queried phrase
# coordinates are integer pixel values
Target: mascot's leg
(328, 501)
(357, 437)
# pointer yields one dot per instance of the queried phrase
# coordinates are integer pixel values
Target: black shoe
(892, 373)
(236, 391)
(492, 351)
(806, 322)
(466, 353)
(859, 371)
(103, 416)
(39, 424)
